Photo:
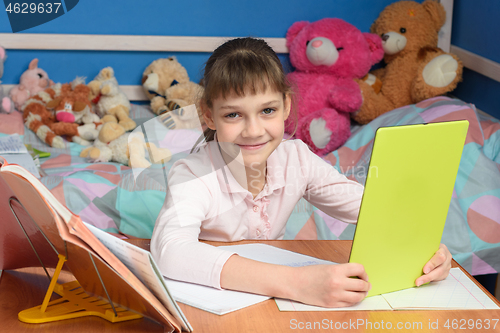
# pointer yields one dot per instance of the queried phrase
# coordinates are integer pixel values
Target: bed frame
(23, 41)
(122, 43)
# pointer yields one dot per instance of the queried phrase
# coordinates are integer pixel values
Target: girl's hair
(241, 65)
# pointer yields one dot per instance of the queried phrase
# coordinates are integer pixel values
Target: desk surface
(25, 288)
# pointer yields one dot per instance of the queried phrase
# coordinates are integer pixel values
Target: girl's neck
(252, 178)
(256, 179)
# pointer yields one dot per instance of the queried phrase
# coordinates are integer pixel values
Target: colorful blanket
(113, 197)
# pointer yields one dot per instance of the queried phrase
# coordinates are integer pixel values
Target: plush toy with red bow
(328, 55)
(111, 103)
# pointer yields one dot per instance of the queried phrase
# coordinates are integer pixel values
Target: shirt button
(256, 208)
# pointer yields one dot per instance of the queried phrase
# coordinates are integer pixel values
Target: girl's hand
(437, 268)
(332, 285)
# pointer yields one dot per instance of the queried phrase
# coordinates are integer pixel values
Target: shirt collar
(227, 182)
(275, 175)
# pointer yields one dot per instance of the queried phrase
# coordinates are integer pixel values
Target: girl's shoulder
(294, 144)
(292, 153)
(295, 153)
(293, 149)
(198, 163)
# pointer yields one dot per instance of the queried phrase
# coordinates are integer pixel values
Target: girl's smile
(253, 146)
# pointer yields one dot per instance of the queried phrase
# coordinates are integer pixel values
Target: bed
(114, 198)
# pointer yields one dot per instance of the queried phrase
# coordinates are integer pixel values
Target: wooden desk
(24, 288)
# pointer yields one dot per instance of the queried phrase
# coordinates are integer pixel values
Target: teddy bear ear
(375, 45)
(294, 30)
(2, 53)
(107, 72)
(436, 11)
(33, 64)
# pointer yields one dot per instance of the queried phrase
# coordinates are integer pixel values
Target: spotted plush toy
(62, 110)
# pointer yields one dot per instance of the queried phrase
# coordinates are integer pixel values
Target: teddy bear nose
(317, 43)
(385, 37)
(322, 51)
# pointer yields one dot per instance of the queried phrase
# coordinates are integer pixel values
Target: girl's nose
(253, 128)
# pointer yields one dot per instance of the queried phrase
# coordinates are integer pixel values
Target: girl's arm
(321, 285)
(328, 189)
(174, 243)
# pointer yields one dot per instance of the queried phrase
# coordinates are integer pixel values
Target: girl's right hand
(331, 285)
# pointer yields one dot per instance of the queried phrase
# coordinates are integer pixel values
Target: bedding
(115, 198)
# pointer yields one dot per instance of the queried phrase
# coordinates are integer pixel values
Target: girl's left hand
(437, 268)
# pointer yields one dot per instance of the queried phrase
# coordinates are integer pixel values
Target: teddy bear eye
(402, 30)
(340, 49)
(307, 43)
(40, 75)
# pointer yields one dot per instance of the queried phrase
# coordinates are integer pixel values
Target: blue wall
(475, 28)
(259, 18)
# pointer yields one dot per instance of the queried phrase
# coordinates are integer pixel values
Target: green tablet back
(406, 199)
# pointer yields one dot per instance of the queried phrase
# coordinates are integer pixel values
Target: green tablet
(407, 195)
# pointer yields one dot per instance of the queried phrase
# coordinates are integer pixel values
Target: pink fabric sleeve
(329, 190)
(174, 245)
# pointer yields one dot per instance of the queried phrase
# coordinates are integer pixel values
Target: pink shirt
(204, 201)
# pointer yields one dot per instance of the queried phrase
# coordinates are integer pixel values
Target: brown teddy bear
(416, 69)
(167, 85)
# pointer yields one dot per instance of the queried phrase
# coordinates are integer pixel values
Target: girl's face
(252, 124)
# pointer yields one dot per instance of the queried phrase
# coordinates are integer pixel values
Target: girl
(244, 183)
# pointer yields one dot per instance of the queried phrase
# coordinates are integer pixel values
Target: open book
(13, 150)
(36, 228)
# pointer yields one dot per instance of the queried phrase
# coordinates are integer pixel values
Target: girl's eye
(231, 115)
(267, 111)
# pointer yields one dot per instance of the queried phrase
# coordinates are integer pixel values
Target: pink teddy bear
(32, 81)
(328, 55)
